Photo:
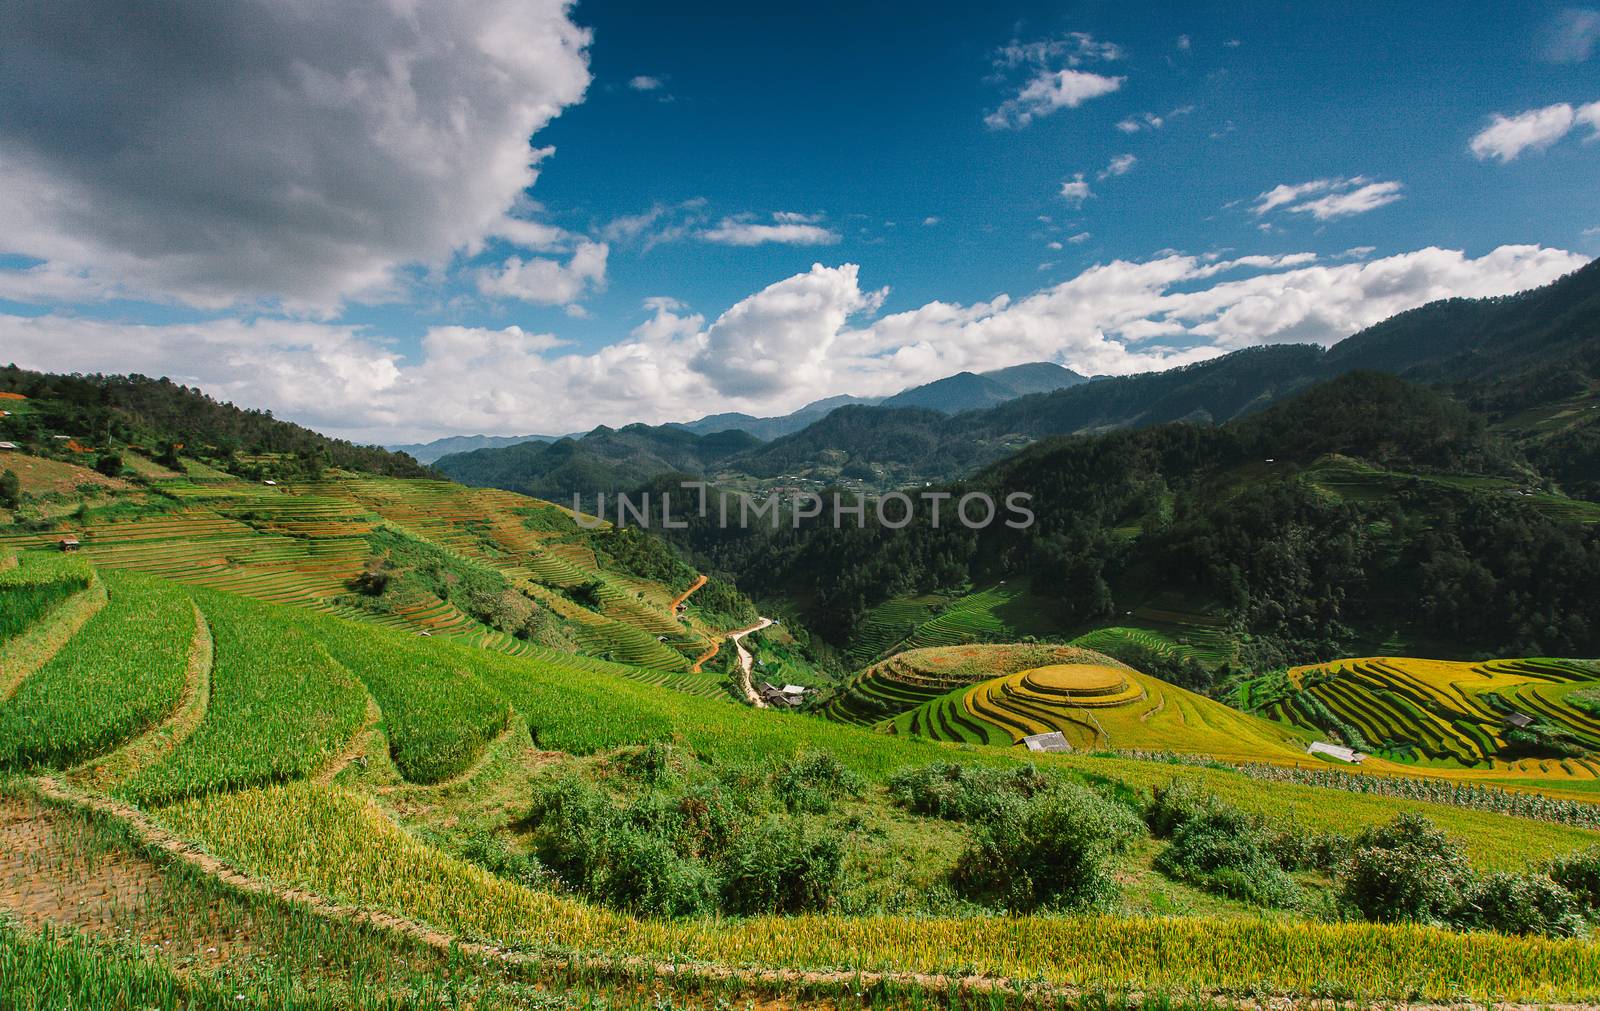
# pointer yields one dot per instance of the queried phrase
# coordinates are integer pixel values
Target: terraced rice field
(1102, 706)
(121, 672)
(280, 707)
(969, 619)
(907, 680)
(888, 624)
(302, 544)
(1448, 713)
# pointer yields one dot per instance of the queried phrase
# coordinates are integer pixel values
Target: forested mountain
(969, 391)
(605, 459)
(1363, 506)
(136, 410)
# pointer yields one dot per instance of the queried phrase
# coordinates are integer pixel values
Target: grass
(122, 672)
(280, 707)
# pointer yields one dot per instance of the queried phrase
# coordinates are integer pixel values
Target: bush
(1298, 850)
(959, 792)
(631, 858)
(779, 868)
(1579, 874)
(1053, 850)
(1404, 870)
(813, 782)
(1224, 850)
(1524, 904)
(1172, 805)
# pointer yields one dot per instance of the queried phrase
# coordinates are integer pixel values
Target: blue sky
(744, 211)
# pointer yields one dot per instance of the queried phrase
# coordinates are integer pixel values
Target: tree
(10, 490)
(109, 464)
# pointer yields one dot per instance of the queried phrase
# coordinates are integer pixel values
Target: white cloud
(1507, 137)
(789, 228)
(1053, 245)
(1589, 115)
(1122, 164)
(1048, 92)
(1341, 197)
(1075, 190)
(1357, 201)
(930, 220)
(804, 337)
(548, 282)
(1572, 36)
(1184, 42)
(1080, 238)
(308, 160)
(645, 82)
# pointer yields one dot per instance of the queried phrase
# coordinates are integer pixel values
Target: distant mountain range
(1522, 353)
(427, 452)
(965, 391)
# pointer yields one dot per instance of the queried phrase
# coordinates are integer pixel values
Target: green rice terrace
(616, 829)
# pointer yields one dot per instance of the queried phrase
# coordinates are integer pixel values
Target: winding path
(745, 660)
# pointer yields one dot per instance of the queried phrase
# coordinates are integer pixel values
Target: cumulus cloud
(1075, 190)
(804, 337)
(1150, 121)
(1340, 197)
(1572, 36)
(1506, 137)
(644, 82)
(258, 152)
(1079, 238)
(786, 228)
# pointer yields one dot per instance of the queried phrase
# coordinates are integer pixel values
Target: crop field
(290, 692)
(1436, 712)
(1099, 707)
(33, 584)
(280, 707)
(438, 718)
(363, 859)
(302, 544)
(119, 674)
(907, 680)
(888, 624)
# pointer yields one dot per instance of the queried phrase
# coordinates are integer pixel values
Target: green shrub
(629, 858)
(1172, 805)
(1404, 870)
(1226, 851)
(1054, 850)
(1524, 904)
(1295, 849)
(779, 868)
(959, 792)
(813, 782)
(1579, 874)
